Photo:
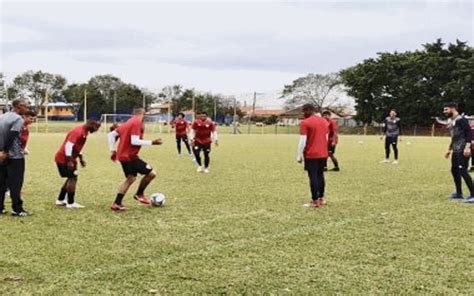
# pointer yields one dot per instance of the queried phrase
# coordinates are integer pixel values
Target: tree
(320, 90)
(35, 85)
(417, 83)
(3, 88)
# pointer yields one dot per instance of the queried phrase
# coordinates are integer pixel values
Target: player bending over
(181, 127)
(392, 130)
(66, 161)
(203, 132)
(332, 140)
(459, 150)
(130, 140)
(313, 149)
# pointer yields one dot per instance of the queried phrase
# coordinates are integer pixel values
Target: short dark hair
(394, 110)
(203, 113)
(180, 113)
(30, 113)
(451, 105)
(327, 112)
(17, 102)
(308, 107)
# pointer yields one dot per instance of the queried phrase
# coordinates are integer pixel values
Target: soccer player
(332, 140)
(203, 133)
(130, 140)
(66, 161)
(313, 150)
(459, 150)
(12, 158)
(181, 127)
(392, 131)
(472, 148)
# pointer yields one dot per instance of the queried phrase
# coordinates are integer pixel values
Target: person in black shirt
(459, 150)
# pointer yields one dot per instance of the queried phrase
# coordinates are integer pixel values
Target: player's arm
(467, 135)
(136, 141)
(302, 143)
(399, 125)
(68, 149)
(384, 129)
(214, 135)
(192, 134)
(112, 140)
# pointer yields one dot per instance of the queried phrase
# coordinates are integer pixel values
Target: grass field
(242, 228)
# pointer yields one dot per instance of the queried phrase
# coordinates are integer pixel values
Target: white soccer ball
(157, 199)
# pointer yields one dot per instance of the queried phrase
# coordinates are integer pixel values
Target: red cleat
(142, 198)
(118, 208)
(314, 204)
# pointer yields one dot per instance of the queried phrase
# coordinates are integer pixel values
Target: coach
(12, 160)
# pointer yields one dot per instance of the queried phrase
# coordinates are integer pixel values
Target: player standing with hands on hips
(130, 138)
(313, 150)
(392, 131)
(203, 133)
(459, 151)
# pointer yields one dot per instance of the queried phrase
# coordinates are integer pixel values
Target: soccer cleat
(395, 162)
(323, 201)
(385, 161)
(179, 154)
(3, 212)
(142, 198)
(22, 213)
(470, 200)
(456, 196)
(74, 206)
(313, 204)
(118, 208)
(335, 170)
(206, 170)
(200, 169)
(60, 202)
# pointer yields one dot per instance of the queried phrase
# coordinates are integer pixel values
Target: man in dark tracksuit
(459, 150)
(392, 130)
(12, 158)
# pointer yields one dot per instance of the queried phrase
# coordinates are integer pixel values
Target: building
(261, 112)
(59, 111)
(294, 116)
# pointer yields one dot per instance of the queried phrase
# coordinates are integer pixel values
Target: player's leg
(3, 187)
(465, 175)
(207, 158)
(186, 142)
(387, 147)
(141, 167)
(197, 156)
(321, 181)
(332, 155)
(455, 162)
(130, 177)
(395, 148)
(71, 192)
(62, 195)
(16, 172)
(178, 144)
(312, 169)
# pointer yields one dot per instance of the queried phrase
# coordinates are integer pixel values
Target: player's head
(327, 114)
(202, 115)
(140, 112)
(113, 127)
(450, 109)
(393, 113)
(92, 125)
(308, 110)
(20, 106)
(180, 115)
(29, 116)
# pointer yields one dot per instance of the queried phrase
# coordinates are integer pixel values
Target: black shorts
(184, 138)
(314, 164)
(331, 149)
(66, 172)
(202, 147)
(135, 167)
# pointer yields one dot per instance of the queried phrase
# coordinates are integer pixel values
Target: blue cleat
(456, 196)
(470, 200)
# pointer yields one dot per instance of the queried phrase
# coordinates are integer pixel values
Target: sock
(62, 194)
(140, 191)
(70, 197)
(118, 198)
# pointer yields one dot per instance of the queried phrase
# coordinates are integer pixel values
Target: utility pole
(235, 116)
(144, 102)
(215, 109)
(85, 105)
(194, 109)
(115, 102)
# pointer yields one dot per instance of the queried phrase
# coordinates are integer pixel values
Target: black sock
(140, 191)
(62, 194)
(70, 197)
(118, 198)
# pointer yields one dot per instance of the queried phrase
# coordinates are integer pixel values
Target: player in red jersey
(29, 118)
(130, 138)
(181, 127)
(313, 150)
(203, 132)
(332, 140)
(66, 161)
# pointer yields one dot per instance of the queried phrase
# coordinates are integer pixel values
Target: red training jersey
(316, 129)
(78, 136)
(203, 130)
(24, 135)
(333, 128)
(180, 126)
(125, 150)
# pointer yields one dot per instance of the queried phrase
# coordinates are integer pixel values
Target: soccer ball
(157, 199)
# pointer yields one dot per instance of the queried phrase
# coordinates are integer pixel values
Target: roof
(60, 104)
(261, 111)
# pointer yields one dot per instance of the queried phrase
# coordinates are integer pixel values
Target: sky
(232, 48)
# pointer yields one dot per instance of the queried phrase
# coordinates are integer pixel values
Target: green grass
(242, 229)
